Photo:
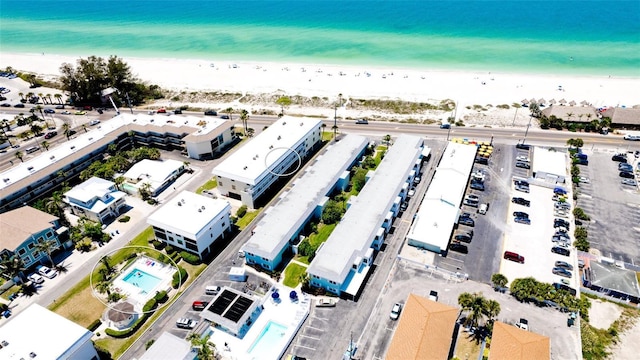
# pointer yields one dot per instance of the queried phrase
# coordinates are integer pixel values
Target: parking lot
(483, 258)
(614, 208)
(408, 278)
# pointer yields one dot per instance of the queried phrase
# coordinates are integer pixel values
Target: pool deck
(152, 267)
(284, 312)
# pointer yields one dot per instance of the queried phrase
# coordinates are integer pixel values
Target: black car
(520, 214)
(482, 160)
(564, 265)
(466, 221)
(477, 185)
(19, 105)
(224, 117)
(49, 111)
(560, 250)
(470, 202)
(50, 134)
(521, 201)
(211, 113)
(362, 121)
(561, 272)
(463, 238)
(463, 249)
(522, 164)
(522, 220)
(177, 111)
(626, 174)
(560, 222)
(619, 157)
(5, 105)
(445, 126)
(564, 287)
(404, 206)
(625, 167)
(520, 183)
(523, 146)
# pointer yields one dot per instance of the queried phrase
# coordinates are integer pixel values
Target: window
(191, 247)
(40, 239)
(180, 242)
(49, 235)
(22, 251)
(30, 246)
(233, 187)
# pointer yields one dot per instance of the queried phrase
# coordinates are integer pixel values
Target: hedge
(180, 275)
(161, 297)
(169, 250)
(242, 211)
(190, 258)
(94, 325)
(158, 244)
(127, 332)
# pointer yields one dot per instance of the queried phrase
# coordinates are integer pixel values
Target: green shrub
(181, 274)
(169, 249)
(94, 325)
(580, 214)
(190, 258)
(175, 257)
(103, 354)
(124, 219)
(242, 211)
(128, 332)
(158, 244)
(148, 344)
(161, 297)
(150, 305)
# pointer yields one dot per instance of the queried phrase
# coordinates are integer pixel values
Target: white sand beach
(465, 88)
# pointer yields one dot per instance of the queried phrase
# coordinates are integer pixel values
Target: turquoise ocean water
(572, 37)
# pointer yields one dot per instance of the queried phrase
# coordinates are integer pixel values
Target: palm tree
(145, 191)
(47, 246)
(54, 204)
(45, 144)
(49, 96)
(387, 139)
(104, 287)
(250, 132)
(41, 96)
(105, 261)
(21, 96)
(19, 155)
(206, 349)
(569, 115)
(13, 267)
(244, 117)
(58, 97)
(119, 180)
(491, 309)
(499, 280)
(283, 101)
(36, 129)
(66, 129)
(475, 304)
(84, 127)
(229, 111)
(324, 126)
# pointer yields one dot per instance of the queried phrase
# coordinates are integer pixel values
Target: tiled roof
(17, 225)
(511, 343)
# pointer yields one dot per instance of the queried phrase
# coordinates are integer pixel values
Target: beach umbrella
(293, 295)
(572, 103)
(584, 103)
(275, 295)
(552, 101)
(533, 101)
(541, 101)
(562, 101)
(524, 101)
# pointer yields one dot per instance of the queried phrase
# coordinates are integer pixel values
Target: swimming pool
(142, 280)
(269, 340)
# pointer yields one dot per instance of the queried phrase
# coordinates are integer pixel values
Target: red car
(162, 111)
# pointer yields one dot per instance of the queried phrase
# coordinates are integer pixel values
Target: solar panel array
(230, 305)
(238, 308)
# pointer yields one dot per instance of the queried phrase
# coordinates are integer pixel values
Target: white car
(186, 323)
(94, 122)
(632, 137)
(584, 179)
(630, 182)
(46, 271)
(523, 158)
(35, 278)
(395, 311)
(325, 302)
(523, 324)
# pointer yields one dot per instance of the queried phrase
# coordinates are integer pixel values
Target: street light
(527, 131)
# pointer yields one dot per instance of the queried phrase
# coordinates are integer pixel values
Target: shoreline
(192, 76)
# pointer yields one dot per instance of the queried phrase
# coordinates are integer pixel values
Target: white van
(32, 149)
(482, 209)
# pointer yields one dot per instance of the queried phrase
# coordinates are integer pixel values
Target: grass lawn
(244, 221)
(327, 135)
(323, 234)
(466, 346)
(211, 184)
(303, 259)
(292, 274)
(380, 150)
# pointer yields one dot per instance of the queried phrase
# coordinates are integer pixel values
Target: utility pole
(527, 131)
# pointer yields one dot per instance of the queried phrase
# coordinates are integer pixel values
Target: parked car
(521, 201)
(472, 203)
(559, 191)
(478, 175)
(619, 157)
(463, 238)
(46, 271)
(199, 305)
(186, 323)
(628, 182)
(584, 180)
(562, 205)
(523, 158)
(212, 290)
(457, 247)
(524, 189)
(362, 121)
(162, 111)
(482, 160)
(523, 165)
(211, 113)
(466, 221)
(482, 210)
(564, 265)
(404, 206)
(509, 255)
(473, 197)
(395, 311)
(520, 183)
(94, 122)
(560, 223)
(477, 185)
(523, 324)
(523, 146)
(626, 174)
(562, 272)
(5, 105)
(520, 214)
(521, 220)
(50, 134)
(625, 167)
(325, 302)
(561, 251)
(35, 278)
(433, 295)
(66, 112)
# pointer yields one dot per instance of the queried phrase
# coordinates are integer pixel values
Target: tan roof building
(512, 343)
(623, 116)
(582, 114)
(425, 330)
(18, 225)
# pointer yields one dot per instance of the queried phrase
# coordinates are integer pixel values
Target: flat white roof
(439, 208)
(549, 161)
(89, 189)
(355, 232)
(169, 346)
(40, 331)
(266, 150)
(155, 172)
(188, 213)
(115, 126)
(293, 208)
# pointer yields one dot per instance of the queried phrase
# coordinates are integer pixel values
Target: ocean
(551, 36)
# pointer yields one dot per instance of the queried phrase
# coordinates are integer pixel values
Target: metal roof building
(433, 224)
(284, 220)
(350, 244)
